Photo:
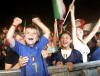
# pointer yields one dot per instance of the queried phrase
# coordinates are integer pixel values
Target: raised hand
(23, 61)
(36, 19)
(17, 21)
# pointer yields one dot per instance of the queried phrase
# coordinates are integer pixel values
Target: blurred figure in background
(79, 41)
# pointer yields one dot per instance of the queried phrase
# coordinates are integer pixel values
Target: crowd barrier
(82, 69)
(10, 72)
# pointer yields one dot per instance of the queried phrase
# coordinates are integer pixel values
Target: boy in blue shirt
(32, 63)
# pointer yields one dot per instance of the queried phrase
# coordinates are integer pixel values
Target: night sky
(26, 9)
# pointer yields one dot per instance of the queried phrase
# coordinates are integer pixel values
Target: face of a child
(31, 36)
(65, 40)
(79, 32)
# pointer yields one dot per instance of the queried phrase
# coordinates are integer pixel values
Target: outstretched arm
(43, 27)
(12, 29)
(93, 32)
(74, 37)
(55, 36)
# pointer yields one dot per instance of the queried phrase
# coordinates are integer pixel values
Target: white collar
(66, 53)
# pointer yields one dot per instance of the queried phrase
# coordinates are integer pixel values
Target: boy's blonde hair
(34, 26)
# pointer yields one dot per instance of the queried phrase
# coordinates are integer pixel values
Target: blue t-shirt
(95, 55)
(35, 65)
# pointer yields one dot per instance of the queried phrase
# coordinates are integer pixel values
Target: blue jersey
(95, 55)
(35, 65)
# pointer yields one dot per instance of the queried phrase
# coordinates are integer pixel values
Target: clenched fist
(17, 21)
(36, 19)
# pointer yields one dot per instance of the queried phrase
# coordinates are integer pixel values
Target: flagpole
(56, 34)
(68, 12)
(66, 17)
(24, 26)
(56, 28)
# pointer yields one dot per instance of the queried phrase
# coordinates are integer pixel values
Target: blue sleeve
(17, 47)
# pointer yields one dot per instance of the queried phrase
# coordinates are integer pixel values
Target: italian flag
(58, 9)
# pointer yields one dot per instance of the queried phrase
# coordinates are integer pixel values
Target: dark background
(26, 9)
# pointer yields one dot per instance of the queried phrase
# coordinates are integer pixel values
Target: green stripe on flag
(55, 9)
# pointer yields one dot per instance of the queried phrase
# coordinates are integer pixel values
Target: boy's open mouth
(30, 38)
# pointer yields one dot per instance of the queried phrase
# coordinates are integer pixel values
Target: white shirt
(83, 48)
(66, 53)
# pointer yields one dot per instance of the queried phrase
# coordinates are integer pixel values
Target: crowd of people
(35, 47)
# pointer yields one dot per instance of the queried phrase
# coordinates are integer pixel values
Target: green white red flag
(58, 9)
